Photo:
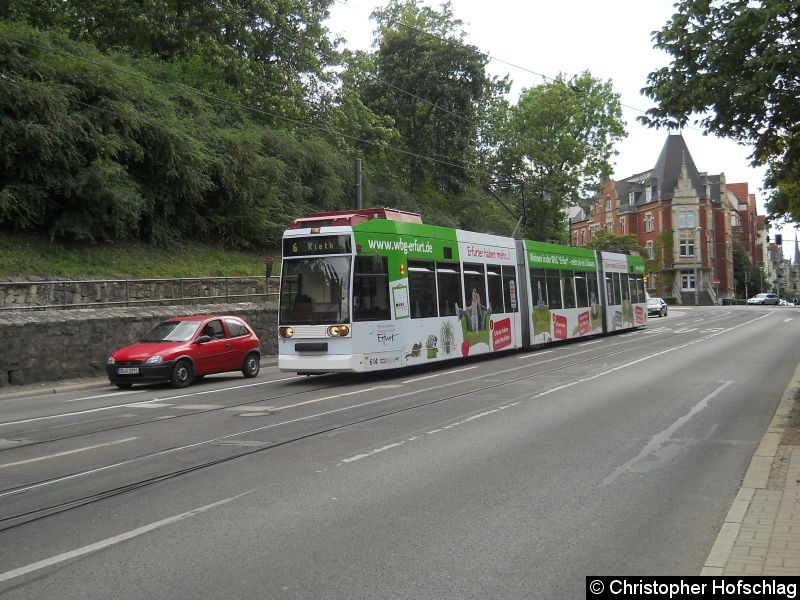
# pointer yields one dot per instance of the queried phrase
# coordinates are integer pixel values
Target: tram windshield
(315, 290)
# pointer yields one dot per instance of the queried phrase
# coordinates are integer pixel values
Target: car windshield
(172, 331)
(315, 290)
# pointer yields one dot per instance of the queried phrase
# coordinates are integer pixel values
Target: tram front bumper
(328, 363)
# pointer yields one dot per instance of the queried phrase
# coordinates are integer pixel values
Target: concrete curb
(755, 478)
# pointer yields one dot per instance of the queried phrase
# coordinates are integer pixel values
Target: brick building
(685, 219)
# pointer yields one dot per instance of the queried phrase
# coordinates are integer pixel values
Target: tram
(373, 289)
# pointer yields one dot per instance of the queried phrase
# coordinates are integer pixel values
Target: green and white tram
(377, 289)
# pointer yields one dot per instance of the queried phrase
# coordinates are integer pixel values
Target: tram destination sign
(317, 244)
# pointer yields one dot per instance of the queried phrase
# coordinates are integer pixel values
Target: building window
(631, 198)
(651, 251)
(687, 246)
(622, 226)
(648, 194)
(687, 281)
(648, 222)
(686, 219)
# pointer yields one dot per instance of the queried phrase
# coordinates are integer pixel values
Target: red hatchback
(185, 349)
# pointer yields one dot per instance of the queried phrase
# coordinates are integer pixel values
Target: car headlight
(111, 361)
(338, 330)
(154, 360)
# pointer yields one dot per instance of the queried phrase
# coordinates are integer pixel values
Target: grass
(24, 255)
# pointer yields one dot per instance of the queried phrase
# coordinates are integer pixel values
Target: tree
(602, 239)
(270, 51)
(431, 84)
(558, 141)
(735, 66)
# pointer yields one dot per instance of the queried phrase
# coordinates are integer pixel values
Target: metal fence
(96, 293)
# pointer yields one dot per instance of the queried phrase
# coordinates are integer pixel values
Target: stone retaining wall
(50, 345)
(133, 292)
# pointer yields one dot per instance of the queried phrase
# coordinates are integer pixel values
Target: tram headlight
(338, 330)
(286, 332)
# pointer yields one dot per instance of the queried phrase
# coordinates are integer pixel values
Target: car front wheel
(182, 374)
(251, 365)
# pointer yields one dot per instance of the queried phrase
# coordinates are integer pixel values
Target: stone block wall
(142, 292)
(50, 345)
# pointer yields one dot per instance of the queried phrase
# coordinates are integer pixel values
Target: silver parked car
(656, 306)
(764, 299)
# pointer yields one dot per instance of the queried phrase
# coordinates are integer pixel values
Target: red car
(185, 349)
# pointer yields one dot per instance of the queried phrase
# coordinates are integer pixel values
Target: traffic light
(778, 239)
(645, 279)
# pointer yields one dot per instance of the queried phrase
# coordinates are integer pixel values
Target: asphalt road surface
(510, 477)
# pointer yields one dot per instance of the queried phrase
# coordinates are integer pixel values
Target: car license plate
(128, 371)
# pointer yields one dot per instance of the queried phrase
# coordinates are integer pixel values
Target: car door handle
(227, 345)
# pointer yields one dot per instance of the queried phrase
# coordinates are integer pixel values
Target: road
(510, 477)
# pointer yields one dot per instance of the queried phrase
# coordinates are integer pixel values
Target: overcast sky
(612, 40)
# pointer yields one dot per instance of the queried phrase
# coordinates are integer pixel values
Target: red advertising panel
(584, 323)
(501, 333)
(560, 327)
(639, 311)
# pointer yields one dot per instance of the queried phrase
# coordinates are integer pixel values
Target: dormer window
(631, 197)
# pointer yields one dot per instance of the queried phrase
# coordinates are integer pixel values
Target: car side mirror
(203, 339)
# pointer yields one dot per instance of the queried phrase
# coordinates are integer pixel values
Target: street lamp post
(696, 258)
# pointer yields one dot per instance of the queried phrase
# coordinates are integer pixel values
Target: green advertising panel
(400, 241)
(636, 265)
(551, 256)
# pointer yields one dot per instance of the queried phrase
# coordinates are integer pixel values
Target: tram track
(21, 518)
(224, 407)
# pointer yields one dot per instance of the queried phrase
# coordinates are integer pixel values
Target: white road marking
(438, 374)
(533, 354)
(371, 452)
(787, 320)
(658, 440)
(66, 452)
(587, 343)
(80, 412)
(119, 393)
(65, 556)
(150, 404)
(342, 395)
(140, 404)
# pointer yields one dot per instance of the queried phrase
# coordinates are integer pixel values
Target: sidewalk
(761, 534)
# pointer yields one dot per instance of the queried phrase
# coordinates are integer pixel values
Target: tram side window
(581, 291)
(591, 286)
(610, 289)
(617, 288)
(448, 279)
(371, 289)
(569, 289)
(509, 282)
(494, 281)
(554, 289)
(539, 287)
(474, 286)
(624, 284)
(421, 289)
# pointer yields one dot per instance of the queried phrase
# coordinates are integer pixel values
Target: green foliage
(557, 142)
(268, 51)
(735, 66)
(35, 255)
(602, 239)
(430, 83)
(93, 149)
